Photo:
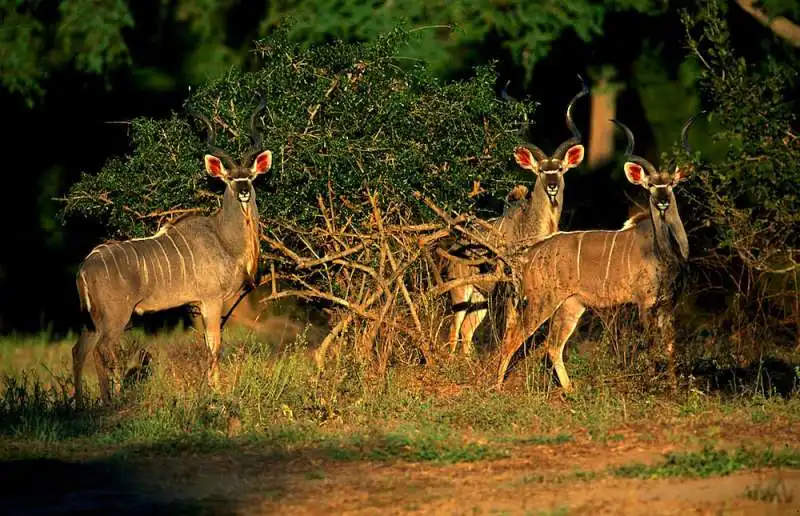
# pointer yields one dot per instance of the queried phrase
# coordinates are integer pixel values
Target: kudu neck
(541, 216)
(669, 236)
(237, 220)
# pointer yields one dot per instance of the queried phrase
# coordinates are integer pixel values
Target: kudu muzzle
(551, 172)
(242, 187)
(661, 199)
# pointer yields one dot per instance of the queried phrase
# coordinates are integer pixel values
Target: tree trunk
(601, 131)
(779, 25)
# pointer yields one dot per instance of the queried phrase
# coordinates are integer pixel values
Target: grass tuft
(710, 462)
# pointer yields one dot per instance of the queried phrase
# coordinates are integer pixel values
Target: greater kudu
(534, 215)
(196, 260)
(568, 272)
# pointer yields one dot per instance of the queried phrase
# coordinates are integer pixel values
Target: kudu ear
(262, 163)
(574, 156)
(636, 174)
(215, 167)
(526, 160)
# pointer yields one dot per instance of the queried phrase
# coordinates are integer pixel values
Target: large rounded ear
(215, 167)
(526, 160)
(574, 156)
(636, 174)
(682, 173)
(262, 163)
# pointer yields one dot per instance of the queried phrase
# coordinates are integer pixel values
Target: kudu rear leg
(100, 341)
(519, 327)
(562, 325)
(86, 344)
(459, 297)
(211, 313)
(472, 321)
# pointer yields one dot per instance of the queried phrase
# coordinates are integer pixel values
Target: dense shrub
(344, 116)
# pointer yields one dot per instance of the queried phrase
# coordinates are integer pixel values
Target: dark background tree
(74, 74)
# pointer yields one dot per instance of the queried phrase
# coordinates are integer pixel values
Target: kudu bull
(568, 272)
(196, 260)
(535, 215)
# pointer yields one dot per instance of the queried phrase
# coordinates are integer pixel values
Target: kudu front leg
(211, 312)
(665, 324)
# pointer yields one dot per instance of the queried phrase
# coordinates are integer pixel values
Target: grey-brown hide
(196, 260)
(568, 272)
(530, 216)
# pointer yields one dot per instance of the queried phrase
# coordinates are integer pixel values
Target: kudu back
(568, 272)
(196, 260)
(531, 216)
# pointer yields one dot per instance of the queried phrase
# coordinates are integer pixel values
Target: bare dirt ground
(534, 479)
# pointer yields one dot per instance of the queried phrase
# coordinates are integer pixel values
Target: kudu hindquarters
(196, 260)
(534, 215)
(568, 272)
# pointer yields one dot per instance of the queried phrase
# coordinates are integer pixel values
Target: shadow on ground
(768, 376)
(44, 487)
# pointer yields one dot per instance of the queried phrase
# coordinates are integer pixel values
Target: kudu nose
(662, 207)
(244, 196)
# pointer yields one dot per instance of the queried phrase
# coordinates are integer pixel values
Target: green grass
(711, 462)
(272, 395)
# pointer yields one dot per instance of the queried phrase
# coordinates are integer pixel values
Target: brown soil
(535, 479)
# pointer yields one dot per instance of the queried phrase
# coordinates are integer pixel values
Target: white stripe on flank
(158, 262)
(136, 255)
(146, 275)
(608, 263)
(191, 254)
(183, 262)
(580, 243)
(127, 260)
(105, 265)
(630, 248)
(116, 264)
(169, 266)
(605, 243)
(86, 301)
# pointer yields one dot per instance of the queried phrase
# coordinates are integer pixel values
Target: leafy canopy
(346, 115)
(527, 29)
(750, 195)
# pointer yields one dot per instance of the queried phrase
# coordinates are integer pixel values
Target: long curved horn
(255, 136)
(211, 139)
(629, 155)
(570, 123)
(576, 134)
(538, 153)
(685, 131)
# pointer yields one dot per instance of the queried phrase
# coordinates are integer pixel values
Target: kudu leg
(472, 321)
(86, 343)
(211, 313)
(518, 330)
(104, 361)
(665, 323)
(562, 324)
(460, 298)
